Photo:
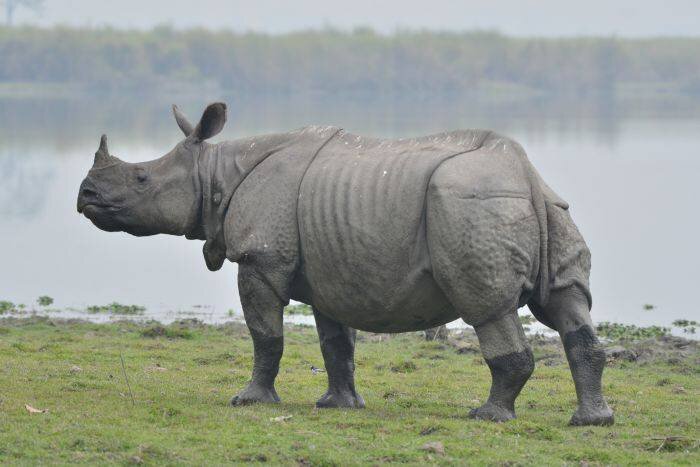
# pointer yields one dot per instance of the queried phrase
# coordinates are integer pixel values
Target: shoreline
(608, 332)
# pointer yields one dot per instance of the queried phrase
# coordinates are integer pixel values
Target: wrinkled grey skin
(378, 235)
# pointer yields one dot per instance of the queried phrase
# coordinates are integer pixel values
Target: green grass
(416, 392)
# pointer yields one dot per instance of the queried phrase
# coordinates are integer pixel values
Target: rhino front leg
(510, 360)
(568, 310)
(262, 310)
(338, 349)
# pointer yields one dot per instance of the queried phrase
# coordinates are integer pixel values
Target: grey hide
(378, 235)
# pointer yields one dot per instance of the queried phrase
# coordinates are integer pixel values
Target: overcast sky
(514, 17)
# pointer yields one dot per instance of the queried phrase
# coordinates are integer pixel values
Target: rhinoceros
(374, 234)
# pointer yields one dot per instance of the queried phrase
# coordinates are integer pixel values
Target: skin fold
(377, 235)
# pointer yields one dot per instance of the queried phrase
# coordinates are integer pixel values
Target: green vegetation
(527, 319)
(174, 331)
(10, 307)
(629, 331)
(418, 395)
(686, 325)
(117, 309)
(682, 323)
(298, 309)
(44, 300)
(360, 62)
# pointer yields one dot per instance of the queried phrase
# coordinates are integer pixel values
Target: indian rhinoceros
(377, 235)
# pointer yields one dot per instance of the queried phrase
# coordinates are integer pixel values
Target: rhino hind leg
(510, 360)
(262, 310)
(338, 349)
(568, 309)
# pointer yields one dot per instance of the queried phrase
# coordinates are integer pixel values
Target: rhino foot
(492, 412)
(254, 393)
(601, 416)
(345, 399)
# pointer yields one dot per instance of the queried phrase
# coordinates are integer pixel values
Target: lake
(630, 175)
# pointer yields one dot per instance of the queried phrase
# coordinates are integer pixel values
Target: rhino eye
(141, 177)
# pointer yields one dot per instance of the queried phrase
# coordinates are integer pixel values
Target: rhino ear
(212, 121)
(182, 121)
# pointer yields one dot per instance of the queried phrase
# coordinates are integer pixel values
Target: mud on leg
(338, 349)
(262, 310)
(569, 312)
(510, 360)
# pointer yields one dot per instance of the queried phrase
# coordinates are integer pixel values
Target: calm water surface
(632, 182)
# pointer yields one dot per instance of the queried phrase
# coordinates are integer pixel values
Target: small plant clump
(688, 326)
(44, 300)
(526, 319)
(6, 307)
(629, 331)
(117, 309)
(406, 366)
(10, 307)
(169, 332)
(300, 309)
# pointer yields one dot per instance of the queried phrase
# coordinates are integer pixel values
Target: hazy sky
(515, 17)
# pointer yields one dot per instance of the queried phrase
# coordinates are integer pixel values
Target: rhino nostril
(89, 194)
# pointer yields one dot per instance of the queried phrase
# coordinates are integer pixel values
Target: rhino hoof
(492, 412)
(254, 394)
(600, 416)
(349, 400)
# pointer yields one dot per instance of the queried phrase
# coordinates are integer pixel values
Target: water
(629, 175)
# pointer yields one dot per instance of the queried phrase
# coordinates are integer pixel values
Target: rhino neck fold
(221, 168)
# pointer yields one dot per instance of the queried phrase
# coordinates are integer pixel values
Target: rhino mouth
(90, 200)
(87, 207)
(102, 216)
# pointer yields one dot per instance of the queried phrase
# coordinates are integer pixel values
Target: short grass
(416, 392)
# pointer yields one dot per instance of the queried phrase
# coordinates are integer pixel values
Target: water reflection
(629, 172)
(68, 124)
(26, 182)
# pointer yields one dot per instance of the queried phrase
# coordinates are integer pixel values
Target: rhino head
(158, 196)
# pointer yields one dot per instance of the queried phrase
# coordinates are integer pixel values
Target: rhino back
(362, 229)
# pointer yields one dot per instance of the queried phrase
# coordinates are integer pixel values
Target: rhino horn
(103, 145)
(102, 156)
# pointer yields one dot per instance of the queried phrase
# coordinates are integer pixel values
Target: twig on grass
(121, 357)
(668, 439)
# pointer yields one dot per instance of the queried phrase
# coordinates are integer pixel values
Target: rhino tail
(541, 296)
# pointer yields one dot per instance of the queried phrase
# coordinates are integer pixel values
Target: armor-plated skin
(377, 235)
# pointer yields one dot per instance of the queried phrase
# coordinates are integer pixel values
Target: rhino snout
(88, 195)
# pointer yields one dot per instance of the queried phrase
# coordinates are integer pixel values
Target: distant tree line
(356, 62)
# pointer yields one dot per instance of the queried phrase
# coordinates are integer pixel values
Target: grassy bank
(417, 392)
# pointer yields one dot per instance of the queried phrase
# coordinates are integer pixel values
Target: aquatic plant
(117, 309)
(686, 325)
(630, 331)
(44, 300)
